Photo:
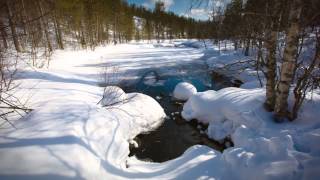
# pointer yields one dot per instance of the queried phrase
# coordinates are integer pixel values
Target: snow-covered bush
(113, 95)
(184, 90)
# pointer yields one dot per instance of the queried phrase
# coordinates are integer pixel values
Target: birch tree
(289, 61)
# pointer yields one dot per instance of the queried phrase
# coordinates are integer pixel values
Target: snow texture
(69, 135)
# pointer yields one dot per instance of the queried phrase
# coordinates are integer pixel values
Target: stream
(175, 135)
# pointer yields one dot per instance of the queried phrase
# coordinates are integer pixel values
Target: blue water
(165, 85)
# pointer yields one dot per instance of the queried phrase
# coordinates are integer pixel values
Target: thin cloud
(198, 13)
(151, 3)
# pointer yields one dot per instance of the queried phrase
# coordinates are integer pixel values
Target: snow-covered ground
(70, 135)
(262, 149)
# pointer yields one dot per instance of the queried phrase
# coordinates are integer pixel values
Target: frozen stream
(156, 74)
(175, 135)
(155, 70)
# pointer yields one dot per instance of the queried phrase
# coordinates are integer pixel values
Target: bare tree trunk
(259, 61)
(25, 22)
(58, 32)
(289, 61)
(114, 32)
(235, 42)
(246, 53)
(225, 45)
(271, 45)
(12, 27)
(3, 34)
(44, 26)
(82, 39)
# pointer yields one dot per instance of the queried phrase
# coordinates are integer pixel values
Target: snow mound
(183, 91)
(113, 95)
(76, 139)
(217, 107)
(262, 149)
(146, 112)
(198, 106)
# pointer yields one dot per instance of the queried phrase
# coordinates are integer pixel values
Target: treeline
(30, 30)
(53, 24)
(285, 35)
(159, 24)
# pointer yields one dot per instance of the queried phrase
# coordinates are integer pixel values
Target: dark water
(175, 135)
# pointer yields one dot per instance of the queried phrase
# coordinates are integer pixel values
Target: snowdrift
(76, 139)
(262, 149)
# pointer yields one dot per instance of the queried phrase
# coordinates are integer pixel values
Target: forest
(88, 23)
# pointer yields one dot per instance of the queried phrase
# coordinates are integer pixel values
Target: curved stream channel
(175, 135)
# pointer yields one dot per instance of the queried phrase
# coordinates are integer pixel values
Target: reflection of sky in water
(152, 83)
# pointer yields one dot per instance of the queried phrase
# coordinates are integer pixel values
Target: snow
(70, 135)
(113, 95)
(199, 106)
(262, 149)
(251, 85)
(74, 139)
(235, 65)
(183, 91)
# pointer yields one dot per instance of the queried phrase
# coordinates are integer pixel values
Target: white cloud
(146, 4)
(198, 13)
(151, 3)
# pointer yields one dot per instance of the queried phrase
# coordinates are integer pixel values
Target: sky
(180, 7)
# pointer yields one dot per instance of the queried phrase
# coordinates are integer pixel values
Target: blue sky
(180, 7)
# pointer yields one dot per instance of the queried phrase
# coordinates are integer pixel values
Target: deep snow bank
(76, 139)
(263, 149)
